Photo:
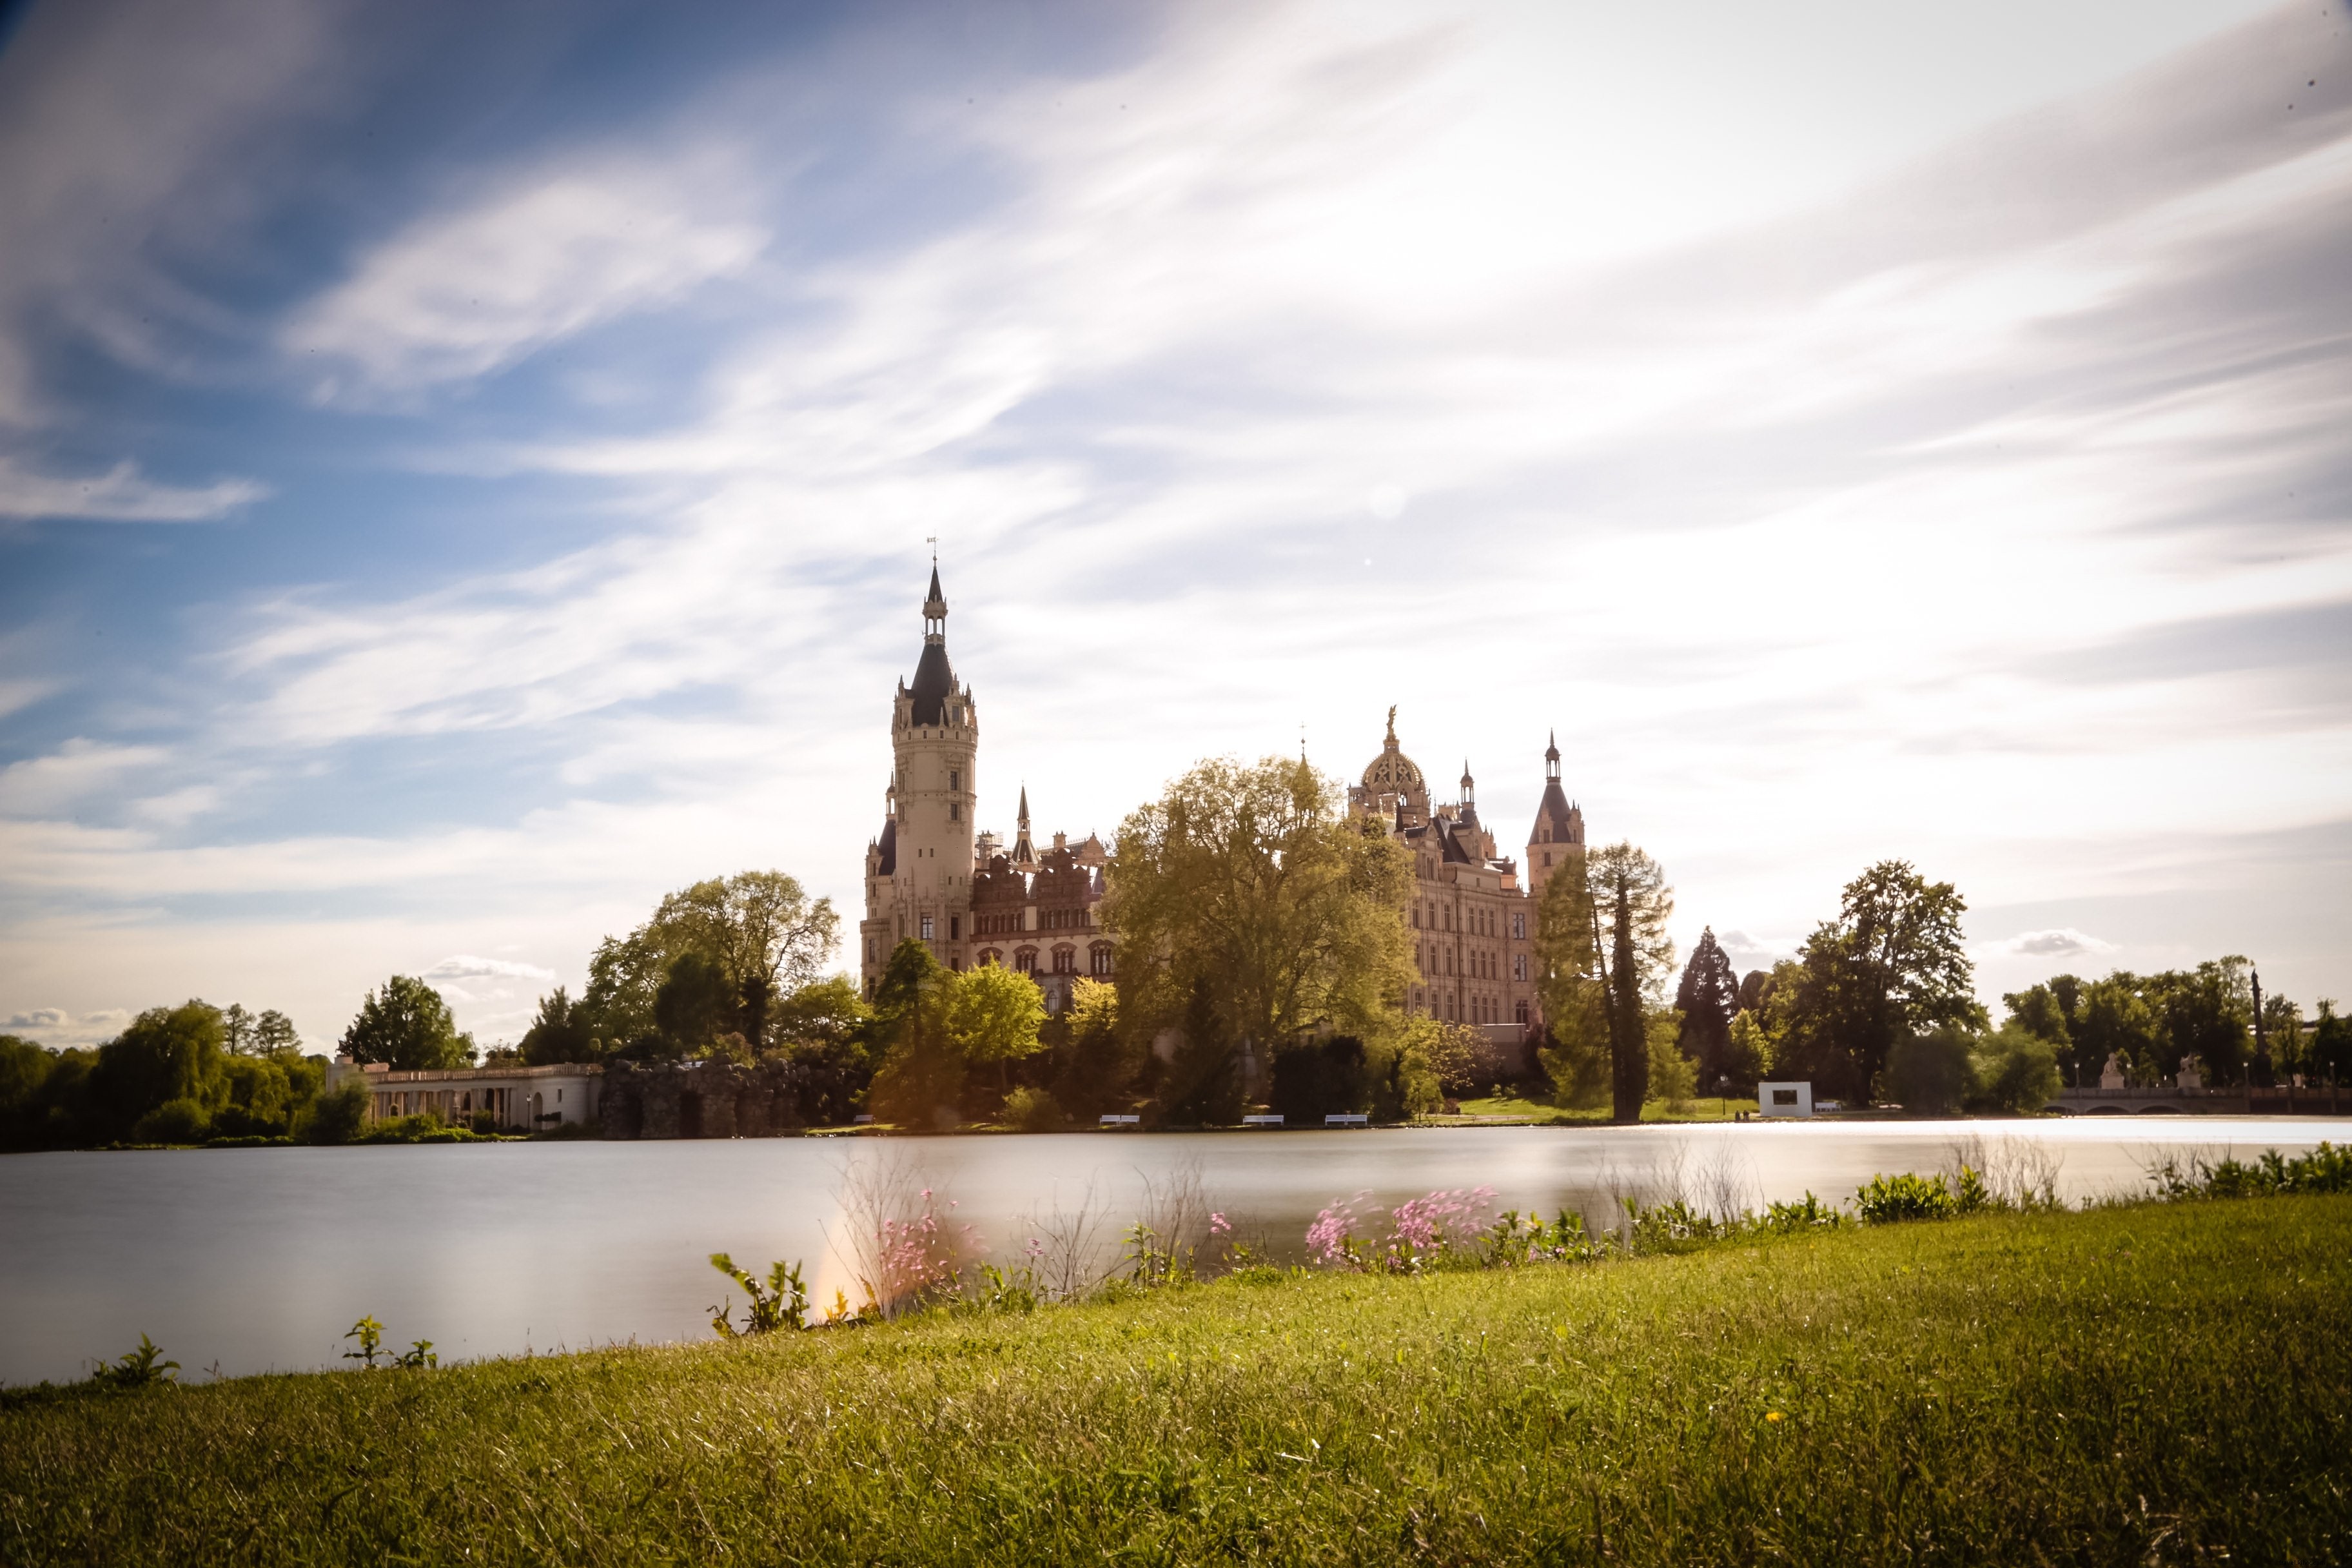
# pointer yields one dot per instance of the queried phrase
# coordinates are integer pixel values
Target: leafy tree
(758, 928)
(1930, 1073)
(166, 1054)
(1094, 1064)
(1673, 1077)
(697, 1003)
(1892, 964)
(1708, 999)
(993, 1016)
(2036, 1011)
(2207, 1012)
(263, 1095)
(1420, 1091)
(1632, 903)
(2282, 1032)
(340, 1115)
(1200, 1085)
(2330, 1059)
(269, 1033)
(1574, 1053)
(1748, 1051)
(407, 1027)
(1755, 991)
(559, 1033)
(2016, 1070)
(1252, 881)
(827, 1028)
(1319, 1078)
(2114, 1020)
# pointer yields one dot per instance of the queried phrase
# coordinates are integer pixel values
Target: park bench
(1347, 1119)
(1261, 1120)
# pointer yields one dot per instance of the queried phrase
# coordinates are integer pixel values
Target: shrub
(338, 1116)
(1032, 1110)
(1884, 1200)
(173, 1122)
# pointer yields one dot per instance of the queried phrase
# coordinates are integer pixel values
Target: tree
(2016, 1070)
(1574, 1053)
(829, 1031)
(1708, 999)
(697, 1003)
(2330, 1056)
(559, 1034)
(759, 930)
(1632, 903)
(2206, 1013)
(1093, 1063)
(2113, 1021)
(1930, 1073)
(269, 1033)
(1673, 1077)
(921, 1076)
(1201, 1084)
(1251, 880)
(992, 1016)
(407, 1027)
(1892, 964)
(166, 1054)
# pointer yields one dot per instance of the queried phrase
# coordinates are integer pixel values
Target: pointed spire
(1024, 806)
(1551, 758)
(935, 611)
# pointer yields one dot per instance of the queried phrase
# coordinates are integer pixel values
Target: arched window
(1025, 961)
(1065, 961)
(1099, 955)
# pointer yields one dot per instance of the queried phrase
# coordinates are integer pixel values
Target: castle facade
(931, 875)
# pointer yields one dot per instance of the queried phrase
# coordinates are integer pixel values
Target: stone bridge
(2326, 1100)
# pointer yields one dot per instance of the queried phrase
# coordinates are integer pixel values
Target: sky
(466, 471)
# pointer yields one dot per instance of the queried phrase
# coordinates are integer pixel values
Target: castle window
(1519, 927)
(1522, 1011)
(1519, 969)
(1416, 916)
(1547, 857)
(955, 779)
(927, 928)
(955, 928)
(955, 811)
(1025, 961)
(1101, 956)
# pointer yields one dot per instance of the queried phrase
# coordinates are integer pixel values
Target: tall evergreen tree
(1632, 888)
(1708, 999)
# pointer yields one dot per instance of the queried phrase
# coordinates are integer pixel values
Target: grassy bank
(2152, 1384)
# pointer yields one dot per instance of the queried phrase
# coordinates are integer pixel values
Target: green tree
(697, 1003)
(407, 1027)
(2330, 1051)
(559, 1033)
(1750, 1049)
(2113, 1021)
(1632, 903)
(1892, 964)
(1931, 1073)
(1708, 999)
(1200, 1083)
(1252, 880)
(268, 1033)
(2207, 1012)
(758, 928)
(829, 1031)
(2016, 1070)
(166, 1054)
(1574, 1052)
(1674, 1077)
(992, 1017)
(1095, 1062)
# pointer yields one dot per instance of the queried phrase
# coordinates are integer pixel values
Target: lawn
(2153, 1384)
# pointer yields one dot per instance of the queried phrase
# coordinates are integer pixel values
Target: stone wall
(701, 1100)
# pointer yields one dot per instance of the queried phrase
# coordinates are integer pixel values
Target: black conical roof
(934, 680)
(937, 597)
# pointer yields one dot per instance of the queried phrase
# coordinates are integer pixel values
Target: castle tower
(918, 880)
(1559, 830)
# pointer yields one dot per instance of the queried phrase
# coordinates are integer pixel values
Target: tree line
(1260, 944)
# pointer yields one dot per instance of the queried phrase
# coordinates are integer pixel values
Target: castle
(932, 876)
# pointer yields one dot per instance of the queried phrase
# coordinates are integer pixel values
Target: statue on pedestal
(2112, 1075)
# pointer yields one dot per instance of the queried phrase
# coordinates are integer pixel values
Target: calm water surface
(258, 1258)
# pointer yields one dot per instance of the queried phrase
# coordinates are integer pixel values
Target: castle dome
(1394, 774)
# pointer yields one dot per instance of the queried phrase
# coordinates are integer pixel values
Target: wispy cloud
(2064, 944)
(465, 966)
(462, 293)
(121, 494)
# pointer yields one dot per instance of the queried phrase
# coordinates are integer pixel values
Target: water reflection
(255, 1259)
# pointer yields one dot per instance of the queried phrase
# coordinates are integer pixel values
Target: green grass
(2154, 1384)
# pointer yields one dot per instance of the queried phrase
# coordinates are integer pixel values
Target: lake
(252, 1259)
